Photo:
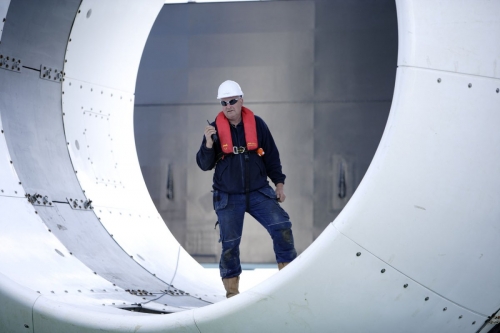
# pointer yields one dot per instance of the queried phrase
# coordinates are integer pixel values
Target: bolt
(358, 254)
(460, 317)
(25, 325)
(406, 285)
(383, 270)
(473, 323)
(445, 309)
(427, 298)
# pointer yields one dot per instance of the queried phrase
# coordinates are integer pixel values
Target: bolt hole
(427, 298)
(383, 270)
(470, 85)
(406, 285)
(439, 80)
(358, 254)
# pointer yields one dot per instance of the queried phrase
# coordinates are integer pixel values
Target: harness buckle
(238, 150)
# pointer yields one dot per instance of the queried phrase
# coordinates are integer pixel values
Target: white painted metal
(458, 36)
(438, 198)
(421, 198)
(9, 184)
(17, 303)
(98, 108)
(33, 257)
(342, 292)
(106, 49)
(4, 7)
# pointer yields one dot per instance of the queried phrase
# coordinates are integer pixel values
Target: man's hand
(209, 130)
(280, 192)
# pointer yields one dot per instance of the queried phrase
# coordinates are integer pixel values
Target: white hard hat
(229, 89)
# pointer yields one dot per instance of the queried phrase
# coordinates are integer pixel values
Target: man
(244, 155)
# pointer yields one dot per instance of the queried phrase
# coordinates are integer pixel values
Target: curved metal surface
(411, 252)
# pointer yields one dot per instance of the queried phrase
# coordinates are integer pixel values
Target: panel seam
(408, 277)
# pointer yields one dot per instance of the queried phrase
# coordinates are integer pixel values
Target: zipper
(240, 158)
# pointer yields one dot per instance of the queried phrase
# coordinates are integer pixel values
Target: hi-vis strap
(224, 132)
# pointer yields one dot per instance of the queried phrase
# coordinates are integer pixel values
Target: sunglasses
(231, 102)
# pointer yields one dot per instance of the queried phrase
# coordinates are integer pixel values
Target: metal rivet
(427, 298)
(406, 285)
(473, 323)
(358, 254)
(470, 85)
(439, 80)
(25, 325)
(383, 270)
(460, 317)
(445, 309)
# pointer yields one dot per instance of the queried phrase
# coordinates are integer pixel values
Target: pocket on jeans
(268, 192)
(220, 200)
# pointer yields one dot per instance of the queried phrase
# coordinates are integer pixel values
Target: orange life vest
(224, 131)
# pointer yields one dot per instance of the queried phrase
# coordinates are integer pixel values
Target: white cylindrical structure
(413, 251)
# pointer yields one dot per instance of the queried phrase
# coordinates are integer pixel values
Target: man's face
(232, 112)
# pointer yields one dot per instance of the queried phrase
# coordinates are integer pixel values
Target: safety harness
(226, 141)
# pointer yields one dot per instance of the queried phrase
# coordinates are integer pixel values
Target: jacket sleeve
(271, 156)
(205, 158)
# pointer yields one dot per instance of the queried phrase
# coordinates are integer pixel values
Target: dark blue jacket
(230, 171)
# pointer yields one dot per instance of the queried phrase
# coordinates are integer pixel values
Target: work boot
(231, 286)
(282, 265)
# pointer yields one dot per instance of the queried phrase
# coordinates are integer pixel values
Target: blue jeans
(264, 207)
